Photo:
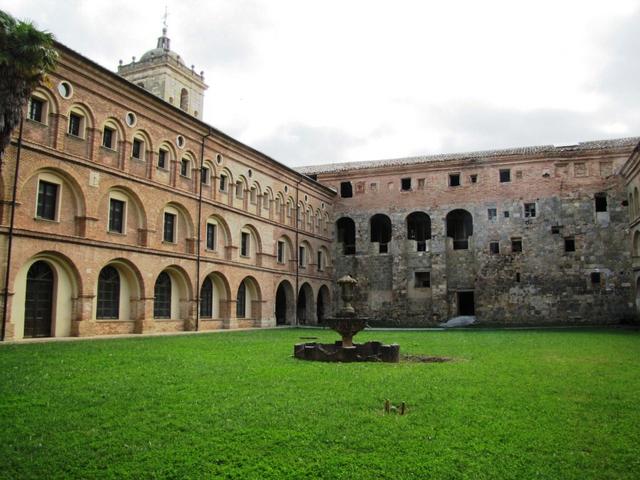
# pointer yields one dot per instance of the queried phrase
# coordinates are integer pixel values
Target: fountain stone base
(336, 352)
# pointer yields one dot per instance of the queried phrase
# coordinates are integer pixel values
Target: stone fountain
(347, 324)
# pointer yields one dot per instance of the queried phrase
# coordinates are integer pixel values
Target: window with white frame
(76, 124)
(163, 158)
(185, 167)
(48, 198)
(117, 213)
(170, 227)
(37, 110)
(109, 137)
(137, 148)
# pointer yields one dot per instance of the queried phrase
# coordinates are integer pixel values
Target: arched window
(108, 305)
(206, 298)
(419, 229)
(381, 231)
(346, 229)
(184, 100)
(460, 228)
(162, 296)
(241, 300)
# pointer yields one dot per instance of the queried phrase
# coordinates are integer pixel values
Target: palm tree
(26, 56)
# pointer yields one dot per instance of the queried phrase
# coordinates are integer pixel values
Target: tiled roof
(518, 151)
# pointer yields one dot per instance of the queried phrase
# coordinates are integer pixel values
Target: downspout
(5, 293)
(297, 254)
(198, 239)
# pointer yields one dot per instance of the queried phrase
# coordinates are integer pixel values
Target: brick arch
(79, 193)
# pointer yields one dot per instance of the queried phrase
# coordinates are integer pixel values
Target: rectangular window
(454, 179)
(302, 257)
(223, 182)
(75, 122)
(529, 210)
(517, 277)
(162, 159)
(516, 245)
(505, 175)
(116, 215)
(422, 279)
(555, 230)
(47, 199)
(595, 278)
(421, 184)
(506, 214)
(204, 175)
(280, 251)
(211, 236)
(494, 248)
(473, 178)
(601, 202)
(36, 108)
(569, 244)
(320, 261)
(184, 167)
(580, 169)
(244, 244)
(492, 213)
(169, 227)
(373, 187)
(405, 184)
(346, 191)
(239, 190)
(107, 137)
(136, 150)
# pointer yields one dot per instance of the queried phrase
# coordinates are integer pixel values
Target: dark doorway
(322, 305)
(39, 301)
(302, 307)
(281, 305)
(466, 303)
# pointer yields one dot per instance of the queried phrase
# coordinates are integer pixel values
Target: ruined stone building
(123, 212)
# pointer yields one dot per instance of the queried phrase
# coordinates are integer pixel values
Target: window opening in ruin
(466, 303)
(405, 184)
(422, 280)
(601, 202)
(460, 228)
(346, 190)
(505, 175)
(516, 245)
(529, 210)
(492, 213)
(162, 158)
(473, 178)
(555, 229)
(380, 231)
(421, 184)
(506, 214)
(595, 278)
(569, 244)
(346, 232)
(244, 244)
(494, 248)
(419, 229)
(517, 277)
(454, 179)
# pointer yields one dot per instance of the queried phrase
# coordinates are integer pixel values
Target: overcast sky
(310, 82)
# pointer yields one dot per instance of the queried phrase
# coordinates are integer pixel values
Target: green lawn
(515, 404)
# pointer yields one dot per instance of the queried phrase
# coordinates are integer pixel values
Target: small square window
(555, 230)
(492, 213)
(529, 210)
(346, 190)
(516, 245)
(422, 279)
(373, 187)
(454, 179)
(494, 248)
(505, 175)
(569, 244)
(506, 214)
(405, 184)
(473, 178)
(595, 278)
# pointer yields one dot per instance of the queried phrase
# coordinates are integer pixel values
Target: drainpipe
(198, 239)
(297, 254)
(5, 293)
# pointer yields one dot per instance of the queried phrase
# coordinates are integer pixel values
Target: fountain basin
(358, 352)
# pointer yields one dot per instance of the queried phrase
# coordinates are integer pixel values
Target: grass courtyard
(550, 404)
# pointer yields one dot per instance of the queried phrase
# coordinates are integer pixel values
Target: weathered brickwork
(574, 266)
(187, 244)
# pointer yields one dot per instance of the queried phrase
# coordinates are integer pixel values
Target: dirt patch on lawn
(423, 359)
